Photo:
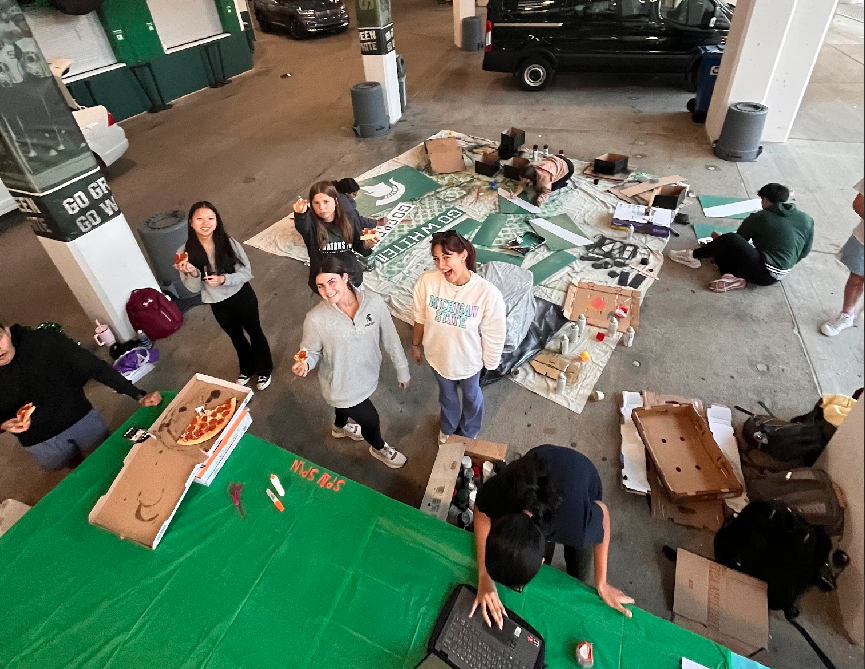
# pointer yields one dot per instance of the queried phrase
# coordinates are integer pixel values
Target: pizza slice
(208, 424)
(369, 233)
(180, 257)
(25, 412)
(301, 355)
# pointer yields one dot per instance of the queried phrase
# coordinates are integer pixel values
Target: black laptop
(460, 642)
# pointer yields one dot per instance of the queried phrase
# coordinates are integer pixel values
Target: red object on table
(600, 336)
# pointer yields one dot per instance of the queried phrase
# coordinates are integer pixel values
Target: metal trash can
(707, 75)
(370, 115)
(162, 234)
(400, 75)
(472, 34)
(741, 133)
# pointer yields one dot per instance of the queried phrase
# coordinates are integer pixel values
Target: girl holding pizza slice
(215, 265)
(342, 336)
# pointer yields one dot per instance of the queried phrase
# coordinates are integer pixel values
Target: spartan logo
(385, 193)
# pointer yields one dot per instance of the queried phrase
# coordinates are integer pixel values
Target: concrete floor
(254, 145)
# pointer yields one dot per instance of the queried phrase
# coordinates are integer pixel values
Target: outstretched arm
(488, 597)
(613, 597)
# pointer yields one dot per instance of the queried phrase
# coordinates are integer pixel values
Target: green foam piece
(553, 263)
(489, 229)
(467, 227)
(484, 256)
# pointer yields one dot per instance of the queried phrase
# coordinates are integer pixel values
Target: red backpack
(153, 313)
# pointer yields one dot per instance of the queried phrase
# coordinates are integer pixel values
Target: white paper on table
(559, 231)
(532, 209)
(742, 207)
(636, 213)
(690, 664)
(635, 478)
(721, 425)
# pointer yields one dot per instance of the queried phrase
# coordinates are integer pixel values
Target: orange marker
(275, 500)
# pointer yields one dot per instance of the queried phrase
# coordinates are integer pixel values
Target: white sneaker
(243, 380)
(263, 382)
(685, 257)
(443, 437)
(351, 430)
(389, 456)
(841, 322)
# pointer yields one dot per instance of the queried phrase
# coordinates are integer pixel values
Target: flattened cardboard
(636, 189)
(156, 473)
(633, 455)
(721, 604)
(445, 155)
(550, 364)
(599, 302)
(705, 514)
(690, 463)
(11, 511)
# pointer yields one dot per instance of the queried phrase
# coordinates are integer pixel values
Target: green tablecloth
(346, 577)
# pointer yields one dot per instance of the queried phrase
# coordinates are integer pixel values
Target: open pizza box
(598, 302)
(443, 479)
(157, 472)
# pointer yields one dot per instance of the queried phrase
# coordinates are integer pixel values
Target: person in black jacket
(48, 370)
(331, 227)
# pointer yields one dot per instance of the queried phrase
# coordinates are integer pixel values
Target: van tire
(534, 74)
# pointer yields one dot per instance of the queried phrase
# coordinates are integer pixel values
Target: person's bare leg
(852, 292)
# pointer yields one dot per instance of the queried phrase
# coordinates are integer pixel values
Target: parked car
(534, 39)
(104, 136)
(302, 17)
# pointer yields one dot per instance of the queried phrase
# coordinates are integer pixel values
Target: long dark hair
(226, 259)
(340, 220)
(331, 264)
(453, 242)
(528, 479)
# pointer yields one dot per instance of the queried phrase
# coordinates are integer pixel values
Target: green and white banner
(404, 184)
(421, 233)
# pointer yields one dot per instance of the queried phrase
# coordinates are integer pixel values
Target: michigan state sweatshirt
(347, 351)
(464, 326)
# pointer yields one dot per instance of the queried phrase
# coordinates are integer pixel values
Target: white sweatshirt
(464, 326)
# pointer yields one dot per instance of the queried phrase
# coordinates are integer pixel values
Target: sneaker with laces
(243, 380)
(351, 430)
(443, 437)
(388, 455)
(841, 322)
(685, 257)
(263, 382)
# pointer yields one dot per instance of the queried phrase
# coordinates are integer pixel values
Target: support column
(462, 9)
(375, 25)
(49, 169)
(770, 54)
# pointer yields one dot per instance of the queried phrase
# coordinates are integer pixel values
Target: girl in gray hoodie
(342, 335)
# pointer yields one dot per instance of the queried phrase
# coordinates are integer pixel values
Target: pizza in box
(208, 423)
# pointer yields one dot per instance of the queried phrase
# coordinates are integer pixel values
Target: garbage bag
(516, 286)
(547, 321)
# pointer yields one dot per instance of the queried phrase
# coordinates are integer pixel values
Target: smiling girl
(217, 267)
(460, 323)
(343, 335)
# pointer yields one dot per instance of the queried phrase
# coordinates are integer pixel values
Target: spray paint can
(566, 344)
(535, 153)
(613, 330)
(561, 383)
(581, 326)
(467, 517)
(143, 340)
(546, 150)
(628, 339)
(561, 153)
(585, 655)
(473, 495)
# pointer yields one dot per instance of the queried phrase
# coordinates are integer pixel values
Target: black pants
(365, 415)
(561, 183)
(734, 255)
(238, 316)
(579, 562)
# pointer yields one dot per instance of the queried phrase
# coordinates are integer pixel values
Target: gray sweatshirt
(348, 351)
(233, 282)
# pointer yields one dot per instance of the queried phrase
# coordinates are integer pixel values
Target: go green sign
(373, 13)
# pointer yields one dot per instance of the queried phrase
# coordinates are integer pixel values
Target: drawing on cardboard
(599, 303)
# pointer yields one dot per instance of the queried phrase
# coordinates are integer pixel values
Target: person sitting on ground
(350, 188)
(781, 234)
(852, 254)
(551, 495)
(331, 227)
(551, 173)
(49, 371)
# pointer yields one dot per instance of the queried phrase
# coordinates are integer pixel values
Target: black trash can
(370, 115)
(162, 234)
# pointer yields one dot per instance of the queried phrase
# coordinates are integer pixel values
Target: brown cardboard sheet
(598, 302)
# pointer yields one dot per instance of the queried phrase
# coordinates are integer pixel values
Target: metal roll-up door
(79, 38)
(179, 23)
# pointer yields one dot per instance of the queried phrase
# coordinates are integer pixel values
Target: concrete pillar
(375, 26)
(462, 9)
(49, 169)
(771, 51)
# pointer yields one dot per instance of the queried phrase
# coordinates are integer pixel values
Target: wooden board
(598, 302)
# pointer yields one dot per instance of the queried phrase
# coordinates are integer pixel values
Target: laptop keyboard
(474, 648)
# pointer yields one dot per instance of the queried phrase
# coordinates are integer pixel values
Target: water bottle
(144, 341)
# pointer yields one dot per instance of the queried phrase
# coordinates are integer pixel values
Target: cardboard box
(446, 468)
(232, 436)
(669, 197)
(705, 514)
(721, 604)
(445, 155)
(11, 511)
(599, 302)
(611, 163)
(512, 140)
(551, 364)
(690, 463)
(156, 473)
(512, 170)
(486, 169)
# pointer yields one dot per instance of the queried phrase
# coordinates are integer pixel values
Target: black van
(535, 38)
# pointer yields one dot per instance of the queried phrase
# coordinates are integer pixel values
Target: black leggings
(237, 314)
(733, 254)
(365, 415)
(579, 562)
(561, 183)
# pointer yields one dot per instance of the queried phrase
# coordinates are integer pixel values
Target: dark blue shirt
(577, 521)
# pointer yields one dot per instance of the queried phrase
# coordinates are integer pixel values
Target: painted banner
(403, 184)
(421, 233)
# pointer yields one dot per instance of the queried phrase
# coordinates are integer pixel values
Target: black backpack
(796, 443)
